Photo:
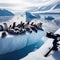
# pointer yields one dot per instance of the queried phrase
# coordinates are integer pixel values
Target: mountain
(4, 12)
(30, 16)
(35, 12)
(5, 15)
(52, 8)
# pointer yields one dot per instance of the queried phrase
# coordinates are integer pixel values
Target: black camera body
(54, 36)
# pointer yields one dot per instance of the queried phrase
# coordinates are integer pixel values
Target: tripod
(56, 38)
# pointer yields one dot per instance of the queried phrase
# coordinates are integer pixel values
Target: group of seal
(21, 28)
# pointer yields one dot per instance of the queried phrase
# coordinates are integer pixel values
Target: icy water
(51, 25)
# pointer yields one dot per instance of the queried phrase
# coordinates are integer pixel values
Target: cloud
(38, 1)
(7, 4)
(22, 4)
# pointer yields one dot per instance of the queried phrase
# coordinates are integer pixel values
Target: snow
(39, 54)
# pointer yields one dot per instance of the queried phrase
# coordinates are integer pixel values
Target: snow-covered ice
(39, 54)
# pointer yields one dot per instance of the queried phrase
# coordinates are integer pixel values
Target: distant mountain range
(53, 8)
(35, 12)
(50, 7)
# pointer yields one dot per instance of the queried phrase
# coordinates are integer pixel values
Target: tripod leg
(48, 52)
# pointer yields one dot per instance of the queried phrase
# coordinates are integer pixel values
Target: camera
(53, 36)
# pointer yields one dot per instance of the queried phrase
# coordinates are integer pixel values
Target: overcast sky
(22, 4)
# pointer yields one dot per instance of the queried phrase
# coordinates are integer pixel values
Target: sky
(22, 4)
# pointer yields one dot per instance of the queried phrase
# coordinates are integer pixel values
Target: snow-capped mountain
(5, 15)
(35, 12)
(53, 8)
(30, 16)
(4, 12)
